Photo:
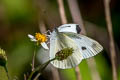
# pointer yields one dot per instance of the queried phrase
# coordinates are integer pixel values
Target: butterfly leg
(47, 32)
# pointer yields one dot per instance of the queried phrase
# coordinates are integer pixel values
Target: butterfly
(67, 36)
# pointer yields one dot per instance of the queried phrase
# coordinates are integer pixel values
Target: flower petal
(32, 38)
(44, 45)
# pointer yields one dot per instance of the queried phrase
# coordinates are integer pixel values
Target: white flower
(40, 39)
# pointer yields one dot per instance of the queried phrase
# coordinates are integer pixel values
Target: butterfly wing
(55, 46)
(69, 28)
(87, 46)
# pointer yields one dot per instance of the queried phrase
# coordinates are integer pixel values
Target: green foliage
(3, 75)
(19, 59)
(119, 73)
(21, 52)
(19, 10)
(3, 61)
(68, 74)
(103, 67)
(85, 71)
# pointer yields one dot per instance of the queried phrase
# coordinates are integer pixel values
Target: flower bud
(3, 57)
(64, 53)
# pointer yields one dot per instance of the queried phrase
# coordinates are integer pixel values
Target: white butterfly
(67, 36)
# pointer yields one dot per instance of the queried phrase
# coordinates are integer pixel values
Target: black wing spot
(84, 48)
(67, 26)
(79, 37)
(78, 29)
(93, 45)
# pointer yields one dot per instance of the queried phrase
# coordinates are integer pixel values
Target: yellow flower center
(40, 37)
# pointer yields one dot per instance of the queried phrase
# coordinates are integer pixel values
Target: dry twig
(64, 20)
(76, 14)
(62, 11)
(36, 77)
(77, 18)
(112, 46)
(54, 70)
(25, 78)
(33, 60)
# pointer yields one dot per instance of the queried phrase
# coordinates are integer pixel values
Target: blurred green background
(18, 18)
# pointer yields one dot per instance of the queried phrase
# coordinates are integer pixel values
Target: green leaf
(85, 71)
(3, 74)
(103, 67)
(68, 74)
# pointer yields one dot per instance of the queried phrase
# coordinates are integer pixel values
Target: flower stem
(40, 68)
(33, 60)
(111, 43)
(5, 67)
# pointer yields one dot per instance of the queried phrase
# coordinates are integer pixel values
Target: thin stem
(33, 60)
(110, 32)
(77, 70)
(62, 11)
(55, 72)
(37, 76)
(77, 18)
(76, 14)
(25, 78)
(5, 67)
(64, 20)
(40, 68)
(31, 74)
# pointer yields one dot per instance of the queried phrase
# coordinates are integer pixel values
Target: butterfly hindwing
(88, 47)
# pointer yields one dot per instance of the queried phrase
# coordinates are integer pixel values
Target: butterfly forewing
(72, 60)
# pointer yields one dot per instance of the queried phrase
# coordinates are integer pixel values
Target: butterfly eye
(83, 48)
(78, 29)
